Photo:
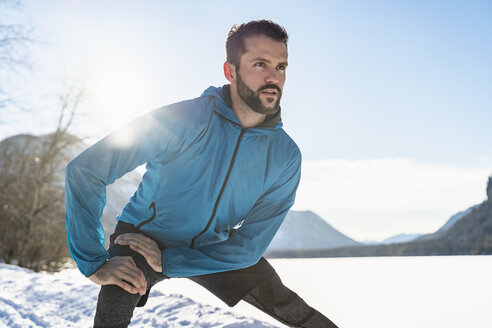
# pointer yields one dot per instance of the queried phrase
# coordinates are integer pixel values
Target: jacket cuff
(94, 269)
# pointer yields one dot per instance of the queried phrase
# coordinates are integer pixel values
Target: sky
(390, 102)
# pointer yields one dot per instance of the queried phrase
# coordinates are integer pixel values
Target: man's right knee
(115, 307)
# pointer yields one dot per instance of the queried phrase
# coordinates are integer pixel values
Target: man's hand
(143, 245)
(121, 271)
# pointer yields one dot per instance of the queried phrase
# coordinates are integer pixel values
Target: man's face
(261, 74)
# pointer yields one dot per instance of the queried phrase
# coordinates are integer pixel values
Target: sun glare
(117, 93)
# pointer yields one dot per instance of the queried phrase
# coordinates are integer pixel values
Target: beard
(253, 100)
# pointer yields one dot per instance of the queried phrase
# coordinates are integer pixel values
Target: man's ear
(230, 72)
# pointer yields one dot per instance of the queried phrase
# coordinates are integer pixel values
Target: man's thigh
(151, 276)
(232, 286)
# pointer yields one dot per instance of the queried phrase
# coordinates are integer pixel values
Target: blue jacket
(214, 194)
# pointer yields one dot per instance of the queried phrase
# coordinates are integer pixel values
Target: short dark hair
(235, 38)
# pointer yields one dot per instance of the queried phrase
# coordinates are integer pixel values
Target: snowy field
(394, 292)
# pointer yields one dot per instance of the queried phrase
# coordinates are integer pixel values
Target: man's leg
(275, 299)
(260, 286)
(115, 306)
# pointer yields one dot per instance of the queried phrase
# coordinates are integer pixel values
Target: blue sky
(403, 87)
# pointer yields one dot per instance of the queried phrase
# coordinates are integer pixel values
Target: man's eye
(282, 67)
(260, 64)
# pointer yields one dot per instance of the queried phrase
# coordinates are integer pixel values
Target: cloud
(377, 198)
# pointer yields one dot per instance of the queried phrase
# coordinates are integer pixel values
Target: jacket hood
(223, 103)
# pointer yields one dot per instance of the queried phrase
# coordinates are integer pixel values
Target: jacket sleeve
(87, 176)
(248, 243)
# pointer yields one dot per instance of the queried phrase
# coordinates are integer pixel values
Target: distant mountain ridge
(401, 238)
(467, 233)
(305, 230)
(452, 220)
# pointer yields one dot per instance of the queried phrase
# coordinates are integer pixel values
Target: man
(221, 176)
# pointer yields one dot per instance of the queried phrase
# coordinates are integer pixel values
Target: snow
(384, 292)
(67, 299)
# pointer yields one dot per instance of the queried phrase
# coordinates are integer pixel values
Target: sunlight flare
(116, 91)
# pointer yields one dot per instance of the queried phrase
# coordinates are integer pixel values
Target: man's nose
(272, 76)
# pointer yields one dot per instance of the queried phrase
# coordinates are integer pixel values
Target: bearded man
(221, 175)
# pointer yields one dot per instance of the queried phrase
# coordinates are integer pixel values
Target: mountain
(406, 238)
(398, 239)
(466, 233)
(489, 189)
(304, 230)
(401, 238)
(452, 220)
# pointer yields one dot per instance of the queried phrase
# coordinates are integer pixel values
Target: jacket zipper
(222, 189)
(152, 206)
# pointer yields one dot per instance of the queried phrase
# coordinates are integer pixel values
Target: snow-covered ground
(385, 292)
(67, 299)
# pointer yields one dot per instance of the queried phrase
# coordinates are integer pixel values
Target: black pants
(258, 285)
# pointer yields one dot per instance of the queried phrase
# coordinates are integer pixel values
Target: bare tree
(15, 40)
(32, 192)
